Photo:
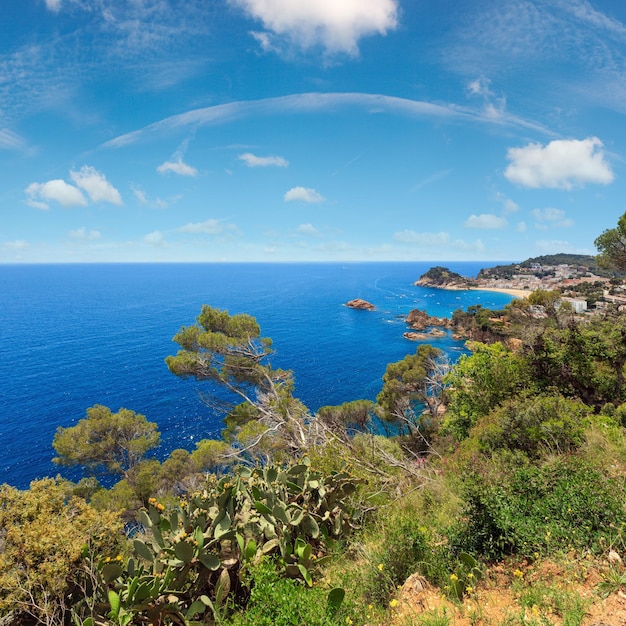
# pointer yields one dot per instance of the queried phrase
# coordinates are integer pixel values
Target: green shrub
(277, 601)
(515, 507)
(549, 423)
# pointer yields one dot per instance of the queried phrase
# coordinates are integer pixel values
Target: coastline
(517, 293)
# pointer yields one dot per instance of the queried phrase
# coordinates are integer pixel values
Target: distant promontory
(443, 278)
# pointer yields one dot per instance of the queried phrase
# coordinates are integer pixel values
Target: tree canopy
(116, 442)
(228, 350)
(611, 245)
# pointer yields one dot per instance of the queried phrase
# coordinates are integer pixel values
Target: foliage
(410, 385)
(43, 534)
(481, 381)
(193, 556)
(347, 417)
(516, 507)
(582, 362)
(534, 424)
(611, 246)
(228, 351)
(439, 275)
(276, 601)
(115, 441)
(402, 550)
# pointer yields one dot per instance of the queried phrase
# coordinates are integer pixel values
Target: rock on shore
(419, 320)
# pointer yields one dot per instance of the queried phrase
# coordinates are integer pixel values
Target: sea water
(72, 336)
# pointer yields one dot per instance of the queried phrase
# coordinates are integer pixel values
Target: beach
(517, 293)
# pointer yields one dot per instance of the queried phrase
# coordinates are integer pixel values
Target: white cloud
(96, 185)
(305, 194)
(82, 234)
(561, 164)
(521, 227)
(208, 227)
(156, 239)
(39, 194)
(251, 160)
(177, 167)
(486, 221)
(53, 5)
(336, 26)
(307, 229)
(422, 239)
(552, 216)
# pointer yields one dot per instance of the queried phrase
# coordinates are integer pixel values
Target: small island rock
(358, 303)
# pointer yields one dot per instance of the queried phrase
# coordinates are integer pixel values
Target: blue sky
(309, 130)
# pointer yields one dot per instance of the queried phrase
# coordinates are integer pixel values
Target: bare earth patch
(564, 594)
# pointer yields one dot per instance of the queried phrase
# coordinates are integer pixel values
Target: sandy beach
(518, 293)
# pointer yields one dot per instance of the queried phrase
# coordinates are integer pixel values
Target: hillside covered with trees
(488, 491)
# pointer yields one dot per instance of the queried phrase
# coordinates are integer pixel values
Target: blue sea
(72, 336)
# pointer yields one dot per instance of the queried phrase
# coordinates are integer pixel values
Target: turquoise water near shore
(77, 335)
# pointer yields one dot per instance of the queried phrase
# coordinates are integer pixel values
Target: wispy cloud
(17, 244)
(485, 221)
(156, 239)
(336, 27)
(426, 239)
(512, 37)
(251, 160)
(304, 194)
(439, 241)
(561, 164)
(10, 140)
(318, 103)
(554, 246)
(208, 227)
(177, 167)
(307, 229)
(552, 217)
(429, 180)
(82, 234)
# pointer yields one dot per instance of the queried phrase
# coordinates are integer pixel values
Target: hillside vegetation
(495, 497)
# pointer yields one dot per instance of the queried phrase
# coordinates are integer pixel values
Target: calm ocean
(77, 335)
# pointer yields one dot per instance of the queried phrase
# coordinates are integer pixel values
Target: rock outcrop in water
(420, 320)
(359, 303)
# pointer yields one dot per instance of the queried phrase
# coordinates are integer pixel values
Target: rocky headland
(443, 278)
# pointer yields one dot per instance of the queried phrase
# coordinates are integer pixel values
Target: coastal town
(584, 285)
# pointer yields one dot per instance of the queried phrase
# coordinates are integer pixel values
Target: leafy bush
(515, 507)
(43, 532)
(276, 601)
(534, 425)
